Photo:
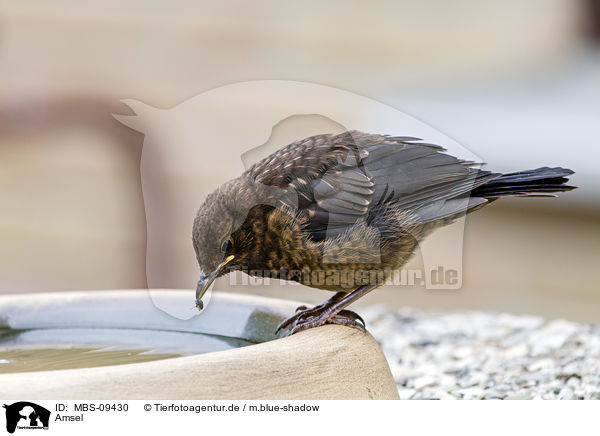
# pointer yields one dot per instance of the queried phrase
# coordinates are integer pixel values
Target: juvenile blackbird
(342, 212)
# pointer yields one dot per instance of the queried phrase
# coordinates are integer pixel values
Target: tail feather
(541, 182)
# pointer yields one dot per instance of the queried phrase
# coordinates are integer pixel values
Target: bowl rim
(328, 362)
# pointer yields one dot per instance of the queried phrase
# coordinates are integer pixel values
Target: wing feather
(340, 179)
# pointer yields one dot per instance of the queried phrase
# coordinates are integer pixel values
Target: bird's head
(224, 231)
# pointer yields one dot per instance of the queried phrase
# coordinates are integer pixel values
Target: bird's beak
(206, 280)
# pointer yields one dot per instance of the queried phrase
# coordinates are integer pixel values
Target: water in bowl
(51, 349)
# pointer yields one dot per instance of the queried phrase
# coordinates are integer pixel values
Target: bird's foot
(305, 318)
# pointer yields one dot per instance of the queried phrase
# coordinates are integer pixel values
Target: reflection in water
(51, 349)
(46, 359)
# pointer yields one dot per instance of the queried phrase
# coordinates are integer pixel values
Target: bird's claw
(350, 318)
(300, 311)
(305, 318)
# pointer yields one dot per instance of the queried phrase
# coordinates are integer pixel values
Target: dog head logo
(26, 415)
(205, 135)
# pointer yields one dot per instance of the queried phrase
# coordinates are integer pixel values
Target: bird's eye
(227, 246)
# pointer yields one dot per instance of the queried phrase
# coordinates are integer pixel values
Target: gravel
(487, 355)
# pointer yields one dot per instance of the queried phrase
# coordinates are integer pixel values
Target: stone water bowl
(227, 352)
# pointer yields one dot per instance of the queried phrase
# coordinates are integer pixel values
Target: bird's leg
(330, 312)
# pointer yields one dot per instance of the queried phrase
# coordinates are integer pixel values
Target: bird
(342, 212)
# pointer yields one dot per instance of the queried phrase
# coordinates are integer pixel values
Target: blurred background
(515, 82)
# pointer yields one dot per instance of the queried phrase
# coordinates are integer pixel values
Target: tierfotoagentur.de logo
(24, 415)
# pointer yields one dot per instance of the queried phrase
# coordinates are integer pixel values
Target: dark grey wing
(395, 172)
(324, 173)
(339, 198)
(341, 179)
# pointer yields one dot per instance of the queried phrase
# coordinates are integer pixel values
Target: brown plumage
(341, 212)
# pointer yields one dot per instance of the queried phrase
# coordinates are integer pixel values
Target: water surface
(66, 348)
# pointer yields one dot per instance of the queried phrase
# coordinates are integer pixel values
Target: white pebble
(406, 394)
(421, 382)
